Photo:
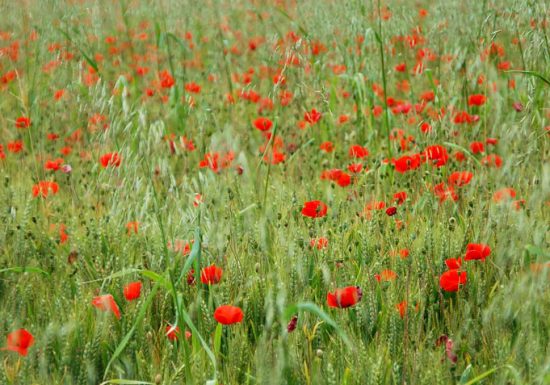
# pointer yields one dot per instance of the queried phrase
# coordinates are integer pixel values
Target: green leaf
(195, 253)
(21, 269)
(532, 73)
(126, 382)
(122, 345)
(466, 374)
(90, 61)
(156, 277)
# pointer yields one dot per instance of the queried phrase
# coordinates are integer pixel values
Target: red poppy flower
(23, 122)
(492, 160)
(344, 180)
(227, 314)
(406, 163)
(110, 159)
(320, 243)
(106, 303)
(437, 154)
(460, 178)
(43, 188)
(314, 209)
(344, 297)
(477, 147)
(15, 146)
(357, 151)
(477, 251)
(445, 192)
(19, 341)
(400, 197)
(401, 308)
(132, 291)
(312, 116)
(452, 279)
(172, 332)
(453, 263)
(476, 100)
(391, 211)
(263, 124)
(166, 80)
(211, 275)
(386, 276)
(193, 88)
(355, 168)
(53, 165)
(327, 147)
(292, 324)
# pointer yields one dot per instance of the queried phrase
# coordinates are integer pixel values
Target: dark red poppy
(452, 279)
(477, 251)
(344, 297)
(314, 209)
(211, 275)
(292, 324)
(106, 303)
(391, 211)
(132, 291)
(227, 314)
(19, 341)
(263, 124)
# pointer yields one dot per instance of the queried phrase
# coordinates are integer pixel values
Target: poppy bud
(292, 324)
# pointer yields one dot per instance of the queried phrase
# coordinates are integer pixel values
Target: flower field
(275, 192)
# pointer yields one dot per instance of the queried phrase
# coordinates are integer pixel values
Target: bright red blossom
(477, 251)
(19, 341)
(211, 275)
(263, 124)
(110, 159)
(132, 291)
(228, 315)
(314, 209)
(452, 279)
(344, 297)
